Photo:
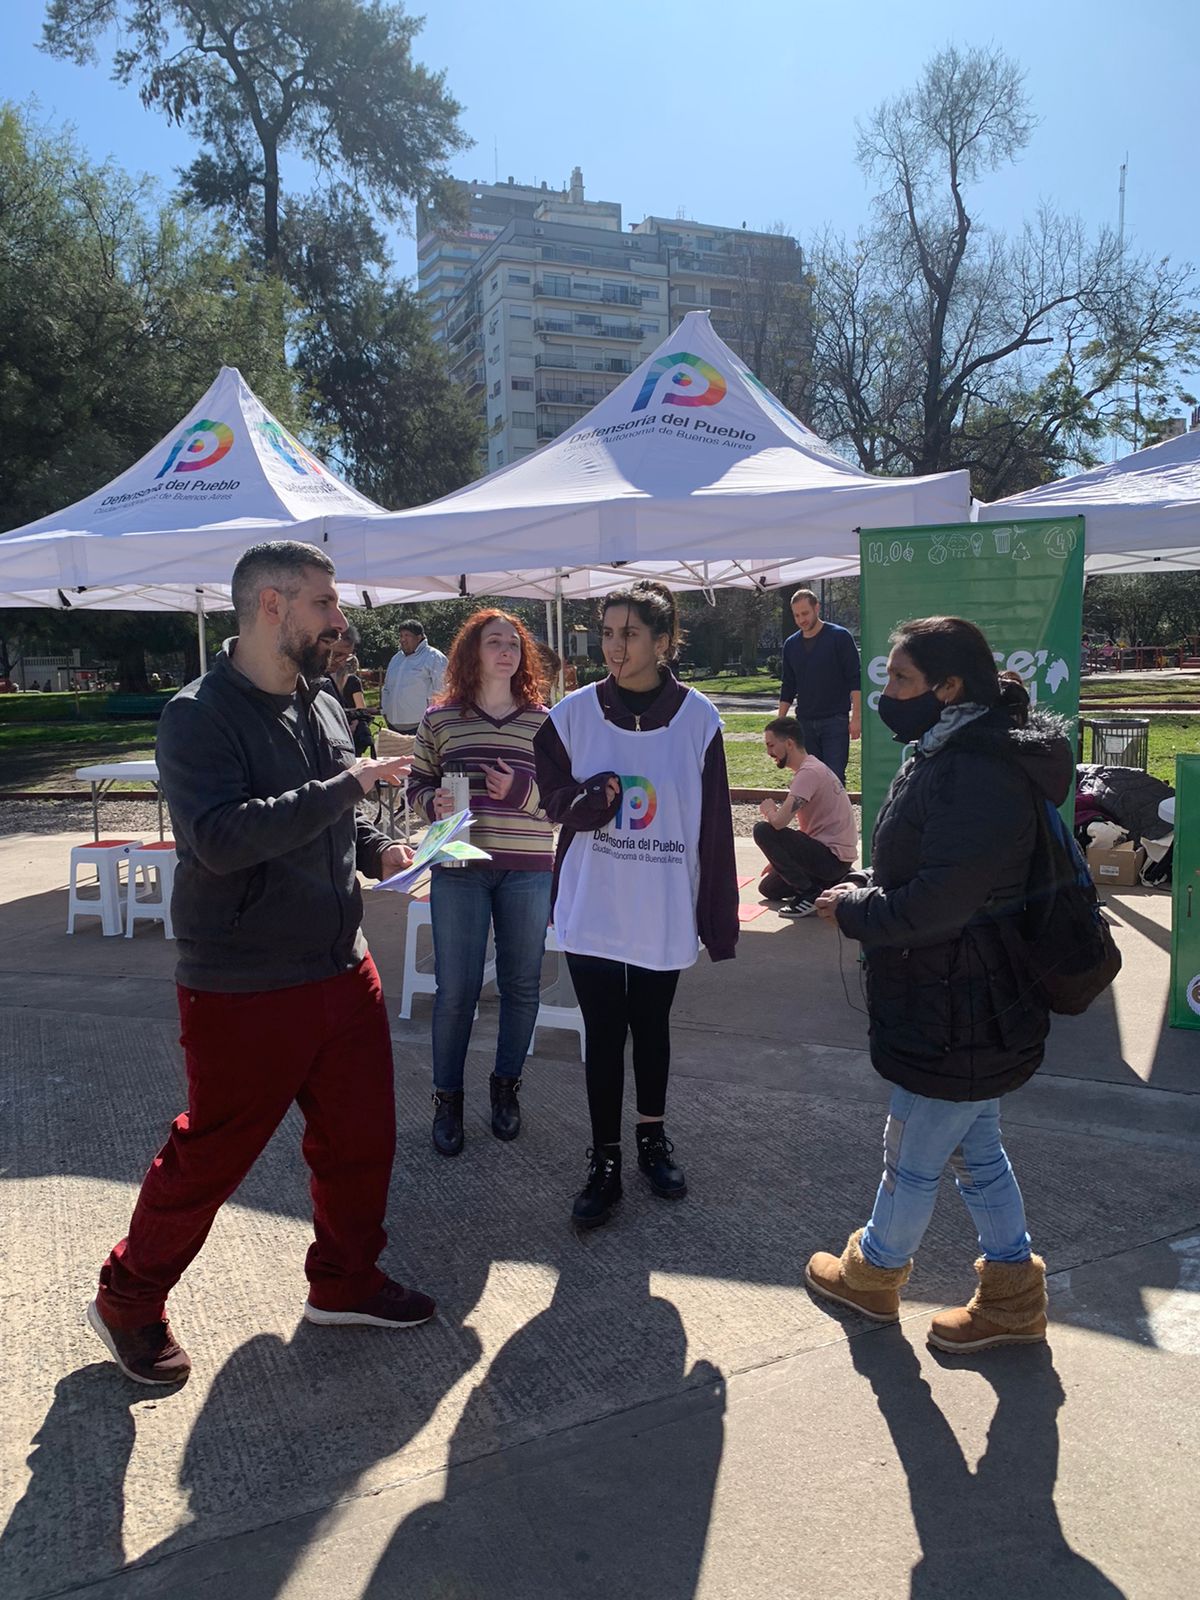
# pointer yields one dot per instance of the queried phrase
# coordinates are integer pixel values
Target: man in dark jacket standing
(279, 998)
(822, 674)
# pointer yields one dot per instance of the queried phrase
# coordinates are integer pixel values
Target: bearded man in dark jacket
(956, 1017)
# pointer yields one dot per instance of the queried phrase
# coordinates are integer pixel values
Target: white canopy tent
(165, 534)
(689, 470)
(1141, 514)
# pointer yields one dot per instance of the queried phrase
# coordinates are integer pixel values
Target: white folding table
(104, 774)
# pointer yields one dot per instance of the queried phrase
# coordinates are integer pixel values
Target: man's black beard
(312, 659)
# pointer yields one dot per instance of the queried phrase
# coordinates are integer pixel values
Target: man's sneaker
(654, 1158)
(798, 906)
(149, 1354)
(392, 1306)
(595, 1201)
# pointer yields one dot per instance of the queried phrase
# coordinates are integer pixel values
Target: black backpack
(1068, 941)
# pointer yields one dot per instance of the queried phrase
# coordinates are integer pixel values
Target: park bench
(134, 705)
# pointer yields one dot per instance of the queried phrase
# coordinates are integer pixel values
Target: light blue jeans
(464, 903)
(920, 1137)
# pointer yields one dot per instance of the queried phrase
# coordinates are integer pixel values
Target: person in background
(634, 770)
(820, 849)
(279, 999)
(413, 680)
(823, 676)
(483, 724)
(956, 1016)
(552, 663)
(344, 684)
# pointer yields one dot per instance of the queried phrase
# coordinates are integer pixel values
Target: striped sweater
(514, 831)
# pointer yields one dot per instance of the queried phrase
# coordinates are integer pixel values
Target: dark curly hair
(464, 671)
(655, 606)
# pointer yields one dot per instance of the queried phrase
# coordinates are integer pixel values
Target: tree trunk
(271, 209)
(131, 669)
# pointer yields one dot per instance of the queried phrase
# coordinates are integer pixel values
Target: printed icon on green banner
(1021, 582)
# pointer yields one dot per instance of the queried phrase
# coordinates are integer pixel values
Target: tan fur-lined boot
(852, 1280)
(1008, 1307)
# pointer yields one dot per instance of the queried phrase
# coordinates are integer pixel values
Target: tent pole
(550, 634)
(200, 631)
(562, 670)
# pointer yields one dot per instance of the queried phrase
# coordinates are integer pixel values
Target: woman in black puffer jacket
(956, 1018)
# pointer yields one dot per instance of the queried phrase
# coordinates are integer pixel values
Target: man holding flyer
(279, 999)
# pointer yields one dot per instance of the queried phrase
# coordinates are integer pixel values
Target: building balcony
(553, 325)
(583, 398)
(474, 380)
(548, 358)
(611, 297)
(710, 263)
(547, 430)
(462, 351)
(460, 324)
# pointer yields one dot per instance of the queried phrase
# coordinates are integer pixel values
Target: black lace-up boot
(447, 1121)
(506, 1113)
(595, 1201)
(654, 1158)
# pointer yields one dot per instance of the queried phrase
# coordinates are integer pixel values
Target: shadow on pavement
(599, 1512)
(87, 1434)
(994, 1531)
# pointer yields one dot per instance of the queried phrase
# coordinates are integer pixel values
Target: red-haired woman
(483, 724)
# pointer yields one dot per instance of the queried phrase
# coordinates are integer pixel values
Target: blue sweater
(819, 679)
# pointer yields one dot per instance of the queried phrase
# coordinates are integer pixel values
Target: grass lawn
(761, 683)
(749, 767)
(1153, 690)
(44, 755)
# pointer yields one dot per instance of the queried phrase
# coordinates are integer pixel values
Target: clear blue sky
(746, 112)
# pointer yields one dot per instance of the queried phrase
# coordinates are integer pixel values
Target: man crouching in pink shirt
(820, 850)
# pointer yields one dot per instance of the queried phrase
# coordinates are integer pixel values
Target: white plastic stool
(419, 975)
(107, 856)
(568, 1017)
(156, 865)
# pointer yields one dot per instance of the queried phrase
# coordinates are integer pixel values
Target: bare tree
(939, 343)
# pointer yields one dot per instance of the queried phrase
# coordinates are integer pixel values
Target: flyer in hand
(442, 842)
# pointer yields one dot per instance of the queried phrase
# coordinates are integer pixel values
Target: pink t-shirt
(827, 815)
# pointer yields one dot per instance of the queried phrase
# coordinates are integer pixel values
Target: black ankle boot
(506, 1113)
(654, 1158)
(447, 1121)
(595, 1201)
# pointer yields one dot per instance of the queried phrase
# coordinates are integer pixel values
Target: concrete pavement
(659, 1408)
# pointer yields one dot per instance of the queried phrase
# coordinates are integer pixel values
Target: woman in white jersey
(634, 771)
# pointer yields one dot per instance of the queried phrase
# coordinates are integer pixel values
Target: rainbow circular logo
(639, 802)
(712, 393)
(202, 445)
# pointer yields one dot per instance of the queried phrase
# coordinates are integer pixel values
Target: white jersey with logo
(628, 891)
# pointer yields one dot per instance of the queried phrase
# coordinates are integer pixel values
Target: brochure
(442, 842)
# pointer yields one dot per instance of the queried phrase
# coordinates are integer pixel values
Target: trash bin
(1120, 742)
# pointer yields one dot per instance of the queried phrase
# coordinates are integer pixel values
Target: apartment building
(545, 304)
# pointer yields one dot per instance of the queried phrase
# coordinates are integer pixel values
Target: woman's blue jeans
(920, 1137)
(464, 903)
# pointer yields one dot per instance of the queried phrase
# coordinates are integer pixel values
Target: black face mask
(909, 719)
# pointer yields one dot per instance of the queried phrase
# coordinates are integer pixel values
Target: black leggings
(617, 999)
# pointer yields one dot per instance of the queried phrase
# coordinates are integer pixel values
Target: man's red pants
(327, 1047)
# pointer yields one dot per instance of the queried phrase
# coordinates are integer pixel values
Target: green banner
(1185, 887)
(1021, 582)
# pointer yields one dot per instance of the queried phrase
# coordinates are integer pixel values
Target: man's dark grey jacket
(267, 833)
